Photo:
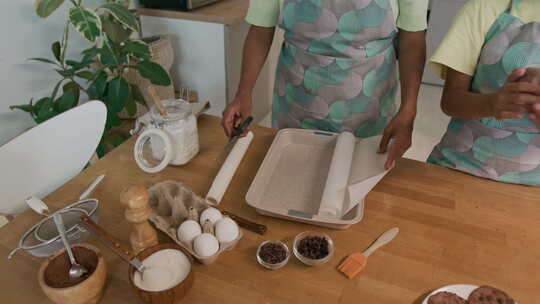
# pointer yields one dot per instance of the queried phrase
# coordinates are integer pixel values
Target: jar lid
(177, 109)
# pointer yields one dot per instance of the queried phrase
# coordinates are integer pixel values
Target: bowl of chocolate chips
(273, 254)
(313, 248)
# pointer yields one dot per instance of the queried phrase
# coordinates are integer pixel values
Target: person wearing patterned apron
(506, 150)
(338, 72)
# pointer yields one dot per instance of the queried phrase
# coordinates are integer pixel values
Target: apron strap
(515, 4)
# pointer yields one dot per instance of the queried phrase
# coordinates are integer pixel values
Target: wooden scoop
(356, 262)
(157, 100)
(114, 245)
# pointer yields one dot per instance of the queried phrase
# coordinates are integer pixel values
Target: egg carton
(171, 202)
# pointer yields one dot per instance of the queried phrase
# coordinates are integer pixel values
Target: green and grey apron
(337, 70)
(502, 150)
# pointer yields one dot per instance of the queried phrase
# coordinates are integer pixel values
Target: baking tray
(290, 182)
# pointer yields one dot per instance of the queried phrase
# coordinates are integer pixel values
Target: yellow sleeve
(263, 13)
(461, 47)
(412, 15)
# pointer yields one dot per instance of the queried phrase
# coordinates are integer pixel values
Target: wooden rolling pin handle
(247, 224)
(107, 239)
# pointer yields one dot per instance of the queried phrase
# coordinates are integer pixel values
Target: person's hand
(399, 133)
(515, 98)
(235, 112)
(534, 114)
(533, 76)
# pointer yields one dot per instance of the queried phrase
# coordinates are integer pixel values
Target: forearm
(461, 103)
(412, 58)
(256, 48)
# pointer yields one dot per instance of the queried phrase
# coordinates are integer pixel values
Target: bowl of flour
(167, 276)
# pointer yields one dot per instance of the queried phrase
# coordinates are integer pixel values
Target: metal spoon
(76, 270)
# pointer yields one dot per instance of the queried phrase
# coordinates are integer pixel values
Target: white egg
(206, 245)
(211, 214)
(188, 231)
(226, 230)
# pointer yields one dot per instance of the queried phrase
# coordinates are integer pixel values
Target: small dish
(277, 265)
(306, 260)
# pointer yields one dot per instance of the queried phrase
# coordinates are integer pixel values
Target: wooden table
(455, 229)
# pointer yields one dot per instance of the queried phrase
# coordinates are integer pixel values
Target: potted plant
(100, 72)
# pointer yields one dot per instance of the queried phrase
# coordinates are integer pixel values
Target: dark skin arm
(412, 58)
(512, 101)
(256, 48)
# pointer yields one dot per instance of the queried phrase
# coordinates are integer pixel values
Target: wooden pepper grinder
(135, 199)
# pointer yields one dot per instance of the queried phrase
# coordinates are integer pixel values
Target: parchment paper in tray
(317, 177)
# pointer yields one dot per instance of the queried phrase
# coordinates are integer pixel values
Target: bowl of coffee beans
(273, 254)
(313, 248)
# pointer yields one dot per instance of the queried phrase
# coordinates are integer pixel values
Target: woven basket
(162, 54)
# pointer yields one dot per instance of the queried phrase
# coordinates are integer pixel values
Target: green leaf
(100, 149)
(116, 140)
(114, 30)
(56, 49)
(65, 102)
(112, 118)
(85, 75)
(117, 94)
(85, 22)
(26, 108)
(109, 60)
(91, 52)
(137, 95)
(39, 104)
(42, 60)
(72, 62)
(153, 72)
(131, 106)
(73, 87)
(65, 38)
(96, 90)
(46, 111)
(56, 88)
(76, 65)
(124, 3)
(66, 73)
(44, 8)
(138, 48)
(109, 53)
(122, 14)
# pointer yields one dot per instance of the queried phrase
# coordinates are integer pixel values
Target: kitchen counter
(225, 12)
(455, 229)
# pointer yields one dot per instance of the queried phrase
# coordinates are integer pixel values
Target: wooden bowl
(88, 291)
(169, 296)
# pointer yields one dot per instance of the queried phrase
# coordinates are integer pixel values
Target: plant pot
(162, 54)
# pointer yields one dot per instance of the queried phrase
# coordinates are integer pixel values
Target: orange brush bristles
(353, 265)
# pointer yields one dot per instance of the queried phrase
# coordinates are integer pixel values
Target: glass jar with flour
(170, 139)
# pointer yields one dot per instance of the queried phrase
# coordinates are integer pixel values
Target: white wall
(199, 56)
(25, 35)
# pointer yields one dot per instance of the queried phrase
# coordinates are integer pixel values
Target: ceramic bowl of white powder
(168, 274)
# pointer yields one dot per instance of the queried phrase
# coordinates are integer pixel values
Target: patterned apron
(337, 69)
(502, 150)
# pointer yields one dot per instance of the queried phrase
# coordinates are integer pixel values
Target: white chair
(45, 157)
